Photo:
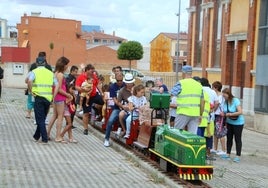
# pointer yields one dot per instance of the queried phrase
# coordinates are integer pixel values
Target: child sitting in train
(172, 110)
(134, 102)
(106, 97)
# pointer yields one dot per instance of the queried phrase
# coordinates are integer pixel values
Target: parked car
(148, 81)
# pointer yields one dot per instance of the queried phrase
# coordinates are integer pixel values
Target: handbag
(220, 128)
(26, 92)
(231, 117)
(71, 107)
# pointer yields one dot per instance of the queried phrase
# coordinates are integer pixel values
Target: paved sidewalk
(24, 163)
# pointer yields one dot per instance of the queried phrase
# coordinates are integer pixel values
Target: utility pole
(178, 43)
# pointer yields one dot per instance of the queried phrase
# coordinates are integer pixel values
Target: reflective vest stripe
(190, 105)
(190, 95)
(41, 85)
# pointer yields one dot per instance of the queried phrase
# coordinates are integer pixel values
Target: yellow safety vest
(205, 116)
(42, 85)
(189, 98)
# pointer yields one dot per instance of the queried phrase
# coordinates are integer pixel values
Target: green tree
(131, 50)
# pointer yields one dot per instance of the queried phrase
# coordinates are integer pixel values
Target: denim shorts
(58, 102)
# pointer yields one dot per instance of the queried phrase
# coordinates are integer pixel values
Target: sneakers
(221, 153)
(43, 143)
(118, 132)
(106, 143)
(46, 122)
(210, 158)
(213, 151)
(225, 156)
(236, 159)
(126, 136)
(85, 132)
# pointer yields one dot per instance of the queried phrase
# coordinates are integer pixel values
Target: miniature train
(176, 150)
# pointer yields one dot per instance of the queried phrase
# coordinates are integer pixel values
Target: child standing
(69, 109)
(134, 102)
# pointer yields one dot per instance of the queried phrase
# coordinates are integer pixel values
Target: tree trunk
(129, 64)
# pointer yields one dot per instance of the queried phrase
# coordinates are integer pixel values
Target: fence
(169, 78)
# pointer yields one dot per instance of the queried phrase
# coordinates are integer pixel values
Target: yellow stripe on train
(192, 176)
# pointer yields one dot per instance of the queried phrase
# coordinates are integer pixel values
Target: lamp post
(178, 45)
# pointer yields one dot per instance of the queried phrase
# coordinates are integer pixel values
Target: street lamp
(178, 45)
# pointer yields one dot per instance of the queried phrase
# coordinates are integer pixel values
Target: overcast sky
(139, 20)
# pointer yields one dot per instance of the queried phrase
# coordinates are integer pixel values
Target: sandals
(61, 141)
(73, 141)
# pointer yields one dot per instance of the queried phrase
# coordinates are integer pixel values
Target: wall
(161, 60)
(144, 63)
(63, 33)
(105, 58)
(14, 80)
(239, 16)
(15, 54)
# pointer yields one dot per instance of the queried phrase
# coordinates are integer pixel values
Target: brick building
(163, 55)
(227, 41)
(40, 33)
(102, 50)
(100, 38)
(105, 58)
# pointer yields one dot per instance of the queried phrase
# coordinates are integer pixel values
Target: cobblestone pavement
(24, 163)
(251, 172)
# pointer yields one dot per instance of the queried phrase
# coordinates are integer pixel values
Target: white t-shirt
(212, 95)
(137, 102)
(221, 103)
(172, 111)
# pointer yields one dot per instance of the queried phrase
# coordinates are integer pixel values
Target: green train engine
(182, 152)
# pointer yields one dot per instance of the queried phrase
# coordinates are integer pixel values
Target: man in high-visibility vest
(190, 100)
(40, 83)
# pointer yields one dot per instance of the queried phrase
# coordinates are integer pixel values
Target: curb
(156, 175)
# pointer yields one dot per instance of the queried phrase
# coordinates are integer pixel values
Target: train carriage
(176, 150)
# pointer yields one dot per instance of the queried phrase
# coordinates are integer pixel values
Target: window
(261, 100)
(104, 41)
(200, 33)
(218, 36)
(261, 88)
(263, 29)
(219, 22)
(96, 40)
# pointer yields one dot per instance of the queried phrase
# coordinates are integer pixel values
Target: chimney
(113, 33)
(35, 14)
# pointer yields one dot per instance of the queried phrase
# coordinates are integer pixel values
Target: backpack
(1, 73)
